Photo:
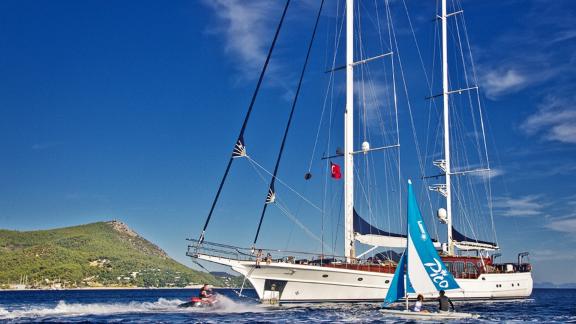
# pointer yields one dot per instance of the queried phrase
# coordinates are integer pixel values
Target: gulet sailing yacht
(291, 277)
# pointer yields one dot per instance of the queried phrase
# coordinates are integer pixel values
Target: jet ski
(200, 303)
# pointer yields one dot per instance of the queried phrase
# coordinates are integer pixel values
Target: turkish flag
(335, 169)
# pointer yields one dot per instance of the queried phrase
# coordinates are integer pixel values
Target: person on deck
(418, 304)
(258, 258)
(443, 301)
(205, 292)
(268, 258)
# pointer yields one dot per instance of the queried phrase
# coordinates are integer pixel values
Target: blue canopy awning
(363, 227)
(459, 237)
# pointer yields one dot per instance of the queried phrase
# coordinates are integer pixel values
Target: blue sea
(160, 306)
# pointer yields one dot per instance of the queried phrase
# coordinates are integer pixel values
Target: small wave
(225, 305)
(228, 305)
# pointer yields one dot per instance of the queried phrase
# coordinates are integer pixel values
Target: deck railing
(267, 256)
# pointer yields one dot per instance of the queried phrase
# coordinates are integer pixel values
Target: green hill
(100, 254)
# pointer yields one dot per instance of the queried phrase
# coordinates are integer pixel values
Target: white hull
(309, 283)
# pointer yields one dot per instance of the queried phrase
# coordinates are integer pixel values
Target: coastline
(115, 288)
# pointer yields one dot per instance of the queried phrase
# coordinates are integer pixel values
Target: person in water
(419, 303)
(443, 302)
(205, 292)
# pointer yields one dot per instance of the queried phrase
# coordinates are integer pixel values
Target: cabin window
(360, 279)
(471, 268)
(325, 276)
(387, 281)
(459, 267)
(449, 266)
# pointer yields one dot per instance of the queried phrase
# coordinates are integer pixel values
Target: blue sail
(397, 287)
(425, 268)
(420, 270)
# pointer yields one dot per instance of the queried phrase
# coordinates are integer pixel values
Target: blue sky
(128, 110)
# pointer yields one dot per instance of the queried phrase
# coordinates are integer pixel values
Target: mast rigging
(239, 147)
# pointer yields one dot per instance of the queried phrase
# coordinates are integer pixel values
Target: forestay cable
(239, 148)
(271, 190)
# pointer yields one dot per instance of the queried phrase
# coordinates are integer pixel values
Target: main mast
(445, 94)
(349, 249)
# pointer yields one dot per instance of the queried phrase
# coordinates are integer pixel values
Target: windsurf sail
(420, 269)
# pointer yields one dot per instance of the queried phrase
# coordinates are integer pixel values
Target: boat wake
(162, 305)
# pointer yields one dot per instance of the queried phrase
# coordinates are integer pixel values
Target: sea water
(161, 306)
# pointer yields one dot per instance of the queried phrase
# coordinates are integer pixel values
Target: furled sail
(465, 243)
(371, 235)
(367, 234)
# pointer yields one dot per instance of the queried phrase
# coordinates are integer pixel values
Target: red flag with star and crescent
(335, 170)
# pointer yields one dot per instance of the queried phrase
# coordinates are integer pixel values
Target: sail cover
(464, 241)
(371, 235)
(368, 234)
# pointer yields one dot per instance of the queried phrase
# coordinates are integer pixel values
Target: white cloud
(555, 120)
(537, 51)
(371, 98)
(489, 174)
(497, 83)
(246, 26)
(551, 255)
(567, 225)
(519, 207)
(44, 146)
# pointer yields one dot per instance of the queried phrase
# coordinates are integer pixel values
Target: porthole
(324, 276)
(483, 278)
(387, 281)
(512, 285)
(360, 279)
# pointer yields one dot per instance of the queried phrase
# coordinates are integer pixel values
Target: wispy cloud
(555, 120)
(543, 37)
(489, 174)
(44, 146)
(566, 225)
(497, 82)
(246, 27)
(551, 255)
(373, 101)
(519, 207)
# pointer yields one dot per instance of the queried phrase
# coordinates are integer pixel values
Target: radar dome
(442, 215)
(365, 147)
